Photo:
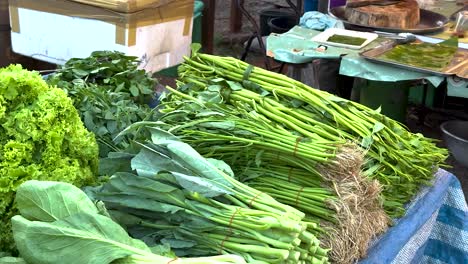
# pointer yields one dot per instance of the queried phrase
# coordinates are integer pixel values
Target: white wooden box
(56, 31)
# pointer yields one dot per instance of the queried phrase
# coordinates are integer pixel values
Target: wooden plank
(208, 20)
(235, 19)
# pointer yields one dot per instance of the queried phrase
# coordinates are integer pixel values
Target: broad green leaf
(12, 260)
(215, 87)
(109, 116)
(178, 243)
(203, 186)
(80, 72)
(187, 156)
(377, 127)
(224, 125)
(161, 137)
(134, 91)
(235, 86)
(296, 103)
(258, 158)
(163, 250)
(111, 165)
(133, 201)
(199, 224)
(195, 48)
(415, 142)
(130, 184)
(366, 142)
(209, 113)
(210, 97)
(221, 165)
(149, 163)
(78, 239)
(50, 201)
(120, 87)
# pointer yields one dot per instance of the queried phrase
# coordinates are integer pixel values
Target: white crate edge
(57, 38)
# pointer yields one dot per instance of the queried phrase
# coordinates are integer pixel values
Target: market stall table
(296, 47)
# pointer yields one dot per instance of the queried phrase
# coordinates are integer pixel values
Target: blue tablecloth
(434, 229)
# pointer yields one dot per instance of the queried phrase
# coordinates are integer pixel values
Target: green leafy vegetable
(110, 93)
(197, 206)
(61, 233)
(41, 137)
(400, 160)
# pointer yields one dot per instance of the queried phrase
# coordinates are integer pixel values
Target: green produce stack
(176, 196)
(400, 160)
(41, 137)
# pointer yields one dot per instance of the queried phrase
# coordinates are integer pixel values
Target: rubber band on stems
(172, 260)
(297, 196)
(230, 231)
(290, 173)
(253, 199)
(299, 139)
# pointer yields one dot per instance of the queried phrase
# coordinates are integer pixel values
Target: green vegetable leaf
(235, 86)
(366, 142)
(37, 201)
(149, 163)
(113, 164)
(161, 137)
(119, 199)
(222, 166)
(191, 159)
(195, 48)
(80, 72)
(12, 260)
(80, 238)
(199, 185)
(178, 243)
(377, 127)
(143, 187)
(134, 91)
(225, 125)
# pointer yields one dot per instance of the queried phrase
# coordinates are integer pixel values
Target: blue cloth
(434, 229)
(319, 21)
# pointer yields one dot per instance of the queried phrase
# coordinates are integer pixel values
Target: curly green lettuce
(41, 138)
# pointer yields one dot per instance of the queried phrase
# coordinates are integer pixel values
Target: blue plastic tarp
(433, 230)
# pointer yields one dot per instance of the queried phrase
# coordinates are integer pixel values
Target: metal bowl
(455, 134)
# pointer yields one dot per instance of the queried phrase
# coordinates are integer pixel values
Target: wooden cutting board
(401, 15)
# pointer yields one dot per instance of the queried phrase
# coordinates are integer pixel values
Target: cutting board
(401, 15)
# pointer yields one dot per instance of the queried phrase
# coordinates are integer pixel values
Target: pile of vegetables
(320, 178)
(236, 165)
(41, 137)
(168, 193)
(110, 93)
(58, 223)
(400, 160)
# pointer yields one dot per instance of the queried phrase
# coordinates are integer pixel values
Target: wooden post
(208, 20)
(236, 16)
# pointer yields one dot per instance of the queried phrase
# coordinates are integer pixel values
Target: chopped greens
(422, 55)
(348, 40)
